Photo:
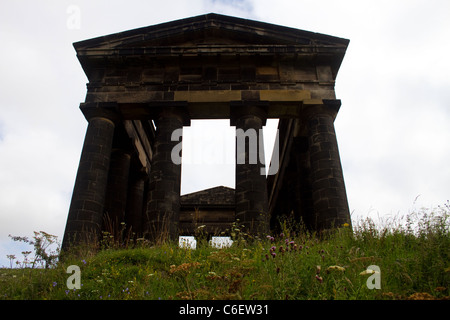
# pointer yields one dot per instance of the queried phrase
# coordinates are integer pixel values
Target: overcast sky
(393, 128)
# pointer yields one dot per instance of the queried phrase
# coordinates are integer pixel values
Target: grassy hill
(412, 260)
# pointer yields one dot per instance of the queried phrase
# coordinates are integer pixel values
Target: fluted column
(251, 185)
(84, 221)
(327, 181)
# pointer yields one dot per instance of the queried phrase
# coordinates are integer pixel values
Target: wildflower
(318, 268)
(281, 249)
(320, 279)
(67, 292)
(54, 284)
(273, 248)
(368, 271)
(274, 254)
(335, 268)
(292, 243)
(84, 261)
(278, 269)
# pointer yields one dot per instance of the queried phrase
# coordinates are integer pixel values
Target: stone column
(117, 192)
(135, 203)
(251, 185)
(84, 221)
(327, 181)
(163, 198)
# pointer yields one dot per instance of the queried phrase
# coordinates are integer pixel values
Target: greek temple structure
(146, 84)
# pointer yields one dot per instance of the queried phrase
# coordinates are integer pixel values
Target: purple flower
(273, 248)
(54, 284)
(273, 254)
(320, 279)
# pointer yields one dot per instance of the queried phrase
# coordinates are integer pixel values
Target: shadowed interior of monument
(211, 211)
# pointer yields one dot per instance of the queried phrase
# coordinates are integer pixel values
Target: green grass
(414, 264)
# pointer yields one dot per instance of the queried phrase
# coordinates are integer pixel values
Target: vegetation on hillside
(410, 259)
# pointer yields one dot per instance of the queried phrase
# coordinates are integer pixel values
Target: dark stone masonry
(147, 83)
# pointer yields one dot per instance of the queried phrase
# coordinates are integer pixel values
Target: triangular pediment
(213, 196)
(209, 29)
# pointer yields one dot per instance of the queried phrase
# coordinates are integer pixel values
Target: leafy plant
(46, 249)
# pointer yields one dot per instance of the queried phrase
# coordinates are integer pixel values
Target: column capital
(243, 108)
(178, 109)
(328, 107)
(106, 110)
